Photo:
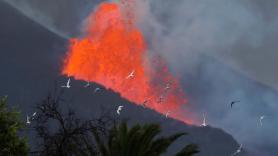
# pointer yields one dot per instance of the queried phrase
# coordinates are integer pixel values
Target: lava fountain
(113, 53)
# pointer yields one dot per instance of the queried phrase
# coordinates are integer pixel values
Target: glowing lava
(113, 48)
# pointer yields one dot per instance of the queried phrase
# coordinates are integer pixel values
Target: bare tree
(61, 133)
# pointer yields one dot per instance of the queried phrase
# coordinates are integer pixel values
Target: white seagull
(68, 84)
(238, 150)
(167, 113)
(87, 85)
(130, 75)
(261, 118)
(33, 116)
(119, 109)
(28, 120)
(204, 121)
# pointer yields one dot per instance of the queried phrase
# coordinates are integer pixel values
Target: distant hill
(30, 60)
(64, 17)
(30, 55)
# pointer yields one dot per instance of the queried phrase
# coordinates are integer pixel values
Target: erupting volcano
(113, 53)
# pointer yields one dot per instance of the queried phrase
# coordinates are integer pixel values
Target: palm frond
(188, 150)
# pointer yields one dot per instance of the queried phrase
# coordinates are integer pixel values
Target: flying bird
(261, 118)
(204, 121)
(119, 109)
(167, 113)
(33, 116)
(28, 120)
(238, 150)
(68, 84)
(234, 102)
(130, 75)
(87, 85)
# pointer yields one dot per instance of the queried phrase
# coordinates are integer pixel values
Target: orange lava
(112, 49)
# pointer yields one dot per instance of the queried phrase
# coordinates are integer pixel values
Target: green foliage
(10, 143)
(138, 141)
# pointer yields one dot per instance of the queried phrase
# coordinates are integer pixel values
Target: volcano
(29, 61)
(114, 53)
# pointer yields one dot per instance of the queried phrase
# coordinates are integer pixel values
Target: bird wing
(119, 108)
(131, 74)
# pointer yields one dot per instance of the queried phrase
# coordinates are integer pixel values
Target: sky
(227, 47)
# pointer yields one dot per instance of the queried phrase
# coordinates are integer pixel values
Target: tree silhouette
(62, 133)
(138, 141)
(10, 124)
(188, 150)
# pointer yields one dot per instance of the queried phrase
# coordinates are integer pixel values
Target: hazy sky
(205, 41)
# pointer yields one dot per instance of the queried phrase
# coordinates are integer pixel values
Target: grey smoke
(199, 37)
(243, 33)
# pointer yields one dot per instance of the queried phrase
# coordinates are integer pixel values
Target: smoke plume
(213, 44)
